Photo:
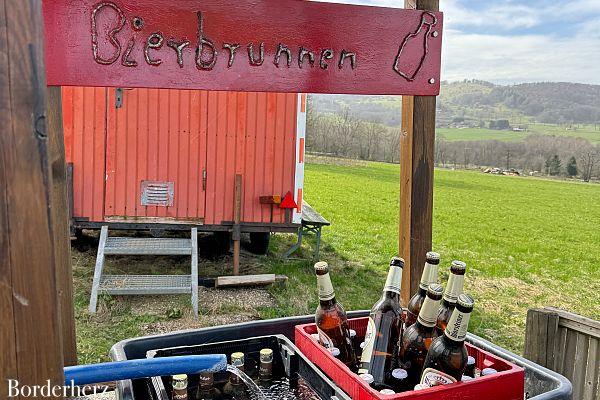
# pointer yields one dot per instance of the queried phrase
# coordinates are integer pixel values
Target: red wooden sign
(243, 45)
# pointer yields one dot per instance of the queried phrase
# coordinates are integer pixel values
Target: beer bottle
(384, 328)
(235, 387)
(180, 384)
(331, 320)
(454, 288)
(429, 275)
(265, 370)
(470, 369)
(417, 338)
(399, 380)
(206, 389)
(447, 357)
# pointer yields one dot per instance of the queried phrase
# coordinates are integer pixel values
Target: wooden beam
(237, 217)
(60, 221)
(416, 178)
(30, 338)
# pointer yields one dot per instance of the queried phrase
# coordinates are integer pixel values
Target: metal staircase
(145, 284)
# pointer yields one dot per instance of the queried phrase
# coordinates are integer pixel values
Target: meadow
(588, 132)
(527, 242)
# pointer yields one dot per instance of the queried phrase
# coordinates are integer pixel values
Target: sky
(506, 41)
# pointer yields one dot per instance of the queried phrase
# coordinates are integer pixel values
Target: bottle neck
(454, 288)
(393, 283)
(429, 311)
(457, 327)
(206, 382)
(429, 275)
(326, 293)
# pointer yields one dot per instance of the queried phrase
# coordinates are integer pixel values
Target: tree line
(345, 135)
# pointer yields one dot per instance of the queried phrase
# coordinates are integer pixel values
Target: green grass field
(455, 134)
(527, 242)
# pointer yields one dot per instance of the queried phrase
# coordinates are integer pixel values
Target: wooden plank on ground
(245, 280)
(33, 348)
(416, 178)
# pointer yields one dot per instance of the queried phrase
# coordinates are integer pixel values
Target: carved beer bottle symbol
(413, 49)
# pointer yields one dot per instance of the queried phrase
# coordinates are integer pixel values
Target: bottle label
(180, 394)
(365, 358)
(394, 280)
(429, 312)
(454, 288)
(457, 326)
(325, 340)
(325, 287)
(433, 377)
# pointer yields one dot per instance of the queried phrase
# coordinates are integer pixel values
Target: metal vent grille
(157, 193)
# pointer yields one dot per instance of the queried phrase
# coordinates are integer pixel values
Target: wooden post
(60, 216)
(30, 336)
(416, 178)
(237, 216)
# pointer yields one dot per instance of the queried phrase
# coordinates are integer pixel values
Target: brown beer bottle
(384, 328)
(417, 338)
(454, 288)
(180, 385)
(429, 275)
(206, 387)
(447, 357)
(331, 320)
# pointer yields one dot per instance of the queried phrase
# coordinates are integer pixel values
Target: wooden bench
(312, 222)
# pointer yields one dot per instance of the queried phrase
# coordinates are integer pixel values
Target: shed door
(156, 155)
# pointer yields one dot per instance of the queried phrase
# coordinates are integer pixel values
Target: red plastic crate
(507, 384)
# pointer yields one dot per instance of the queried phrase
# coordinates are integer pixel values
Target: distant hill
(474, 103)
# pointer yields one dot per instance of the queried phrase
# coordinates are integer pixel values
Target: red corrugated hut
(167, 159)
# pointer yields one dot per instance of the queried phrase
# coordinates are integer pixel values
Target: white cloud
(524, 58)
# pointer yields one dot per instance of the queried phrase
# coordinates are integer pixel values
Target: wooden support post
(416, 178)
(60, 216)
(237, 216)
(30, 336)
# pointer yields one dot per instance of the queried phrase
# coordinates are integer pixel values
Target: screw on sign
(247, 45)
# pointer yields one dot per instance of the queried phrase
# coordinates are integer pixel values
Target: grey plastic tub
(540, 383)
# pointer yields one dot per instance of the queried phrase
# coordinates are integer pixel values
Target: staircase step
(147, 246)
(145, 284)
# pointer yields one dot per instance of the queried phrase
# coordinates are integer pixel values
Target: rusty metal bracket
(119, 98)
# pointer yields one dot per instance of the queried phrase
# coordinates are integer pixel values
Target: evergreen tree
(572, 167)
(553, 165)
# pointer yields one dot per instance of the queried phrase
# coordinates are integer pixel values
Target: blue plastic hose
(144, 368)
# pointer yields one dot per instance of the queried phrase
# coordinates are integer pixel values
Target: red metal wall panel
(84, 122)
(174, 136)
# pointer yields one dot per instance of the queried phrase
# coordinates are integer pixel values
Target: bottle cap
(465, 301)
(180, 377)
(387, 391)
(352, 333)
(470, 360)
(397, 262)
(266, 355)
(421, 386)
(237, 359)
(335, 351)
(367, 378)
(434, 289)
(458, 267)
(466, 378)
(362, 345)
(488, 371)
(399, 373)
(322, 267)
(432, 257)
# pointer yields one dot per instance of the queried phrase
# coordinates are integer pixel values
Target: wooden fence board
(568, 344)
